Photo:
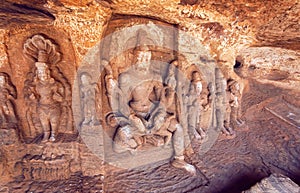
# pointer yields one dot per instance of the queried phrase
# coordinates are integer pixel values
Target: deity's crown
(42, 56)
(141, 48)
(40, 65)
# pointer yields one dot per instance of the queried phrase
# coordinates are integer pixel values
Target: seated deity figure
(48, 94)
(88, 90)
(148, 108)
(7, 94)
(195, 106)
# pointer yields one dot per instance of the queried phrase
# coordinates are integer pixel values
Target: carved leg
(11, 112)
(192, 121)
(45, 124)
(220, 121)
(87, 115)
(195, 133)
(178, 142)
(235, 116)
(201, 133)
(124, 141)
(54, 122)
(2, 117)
(32, 131)
(168, 138)
(6, 114)
(228, 129)
(95, 121)
(86, 121)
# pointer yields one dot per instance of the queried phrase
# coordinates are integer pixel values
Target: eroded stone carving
(111, 85)
(195, 106)
(228, 105)
(222, 105)
(233, 114)
(88, 91)
(46, 91)
(149, 111)
(52, 164)
(7, 94)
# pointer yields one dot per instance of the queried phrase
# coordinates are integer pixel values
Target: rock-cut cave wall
(61, 118)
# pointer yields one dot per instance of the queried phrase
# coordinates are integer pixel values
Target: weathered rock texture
(275, 183)
(254, 42)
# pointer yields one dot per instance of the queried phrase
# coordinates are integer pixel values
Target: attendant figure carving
(233, 115)
(7, 95)
(88, 95)
(195, 106)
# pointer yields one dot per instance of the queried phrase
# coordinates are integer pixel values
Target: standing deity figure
(7, 94)
(170, 79)
(195, 106)
(222, 106)
(48, 94)
(233, 95)
(46, 91)
(88, 90)
(148, 110)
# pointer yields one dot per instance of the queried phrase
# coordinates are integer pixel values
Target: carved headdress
(42, 50)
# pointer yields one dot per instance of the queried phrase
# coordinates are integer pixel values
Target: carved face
(198, 87)
(196, 76)
(2, 81)
(143, 59)
(43, 73)
(85, 79)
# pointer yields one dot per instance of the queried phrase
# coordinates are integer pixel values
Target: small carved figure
(170, 79)
(222, 105)
(148, 111)
(206, 97)
(7, 94)
(111, 85)
(233, 97)
(195, 106)
(88, 90)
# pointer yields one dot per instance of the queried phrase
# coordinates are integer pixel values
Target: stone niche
(24, 48)
(171, 60)
(38, 139)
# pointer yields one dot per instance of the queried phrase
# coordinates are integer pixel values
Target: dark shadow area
(243, 182)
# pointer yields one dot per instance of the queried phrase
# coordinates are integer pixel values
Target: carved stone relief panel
(7, 96)
(44, 73)
(152, 98)
(8, 118)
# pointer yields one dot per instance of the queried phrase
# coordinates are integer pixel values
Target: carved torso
(4, 93)
(139, 90)
(48, 92)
